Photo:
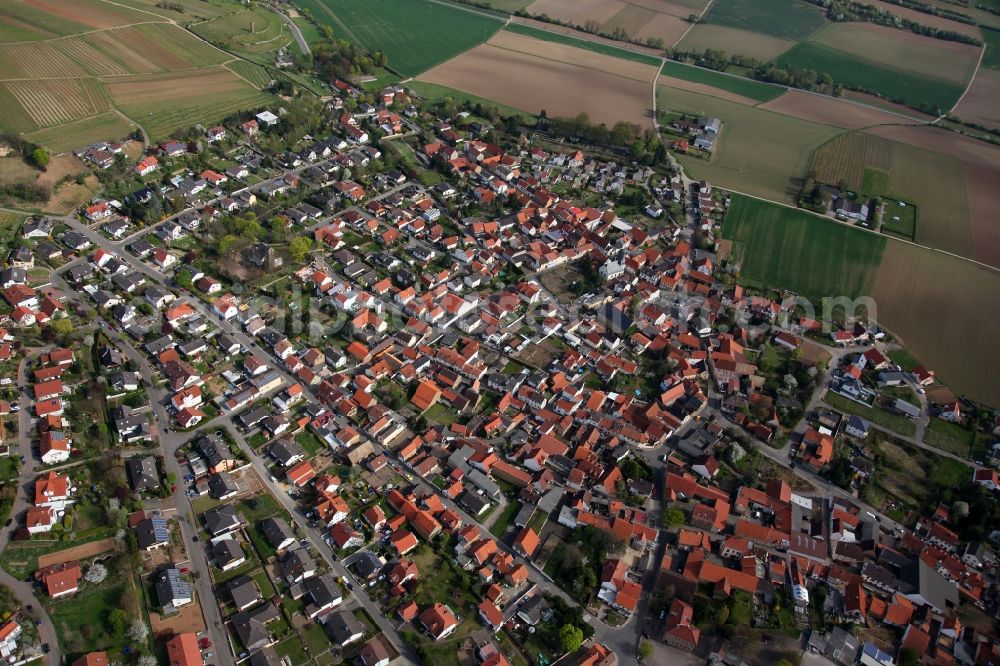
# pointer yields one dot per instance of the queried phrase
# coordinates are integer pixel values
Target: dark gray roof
(343, 626)
(276, 531)
(244, 591)
(368, 564)
(251, 626)
(934, 588)
(222, 485)
(226, 551)
(151, 532)
(221, 519)
(142, 473)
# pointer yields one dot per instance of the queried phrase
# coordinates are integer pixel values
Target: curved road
(296, 33)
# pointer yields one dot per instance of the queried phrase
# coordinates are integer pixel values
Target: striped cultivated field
(166, 103)
(72, 73)
(53, 101)
(253, 74)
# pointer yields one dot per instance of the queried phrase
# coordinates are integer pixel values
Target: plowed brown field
(533, 75)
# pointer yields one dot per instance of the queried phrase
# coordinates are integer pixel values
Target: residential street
(23, 590)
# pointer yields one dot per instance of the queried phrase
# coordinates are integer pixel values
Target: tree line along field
(898, 65)
(788, 248)
(415, 35)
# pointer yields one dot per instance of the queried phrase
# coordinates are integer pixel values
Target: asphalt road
(23, 590)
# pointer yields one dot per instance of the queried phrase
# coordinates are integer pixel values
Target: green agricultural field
(596, 47)
(415, 35)
(791, 249)
(255, 75)
(759, 152)
(893, 84)
(788, 19)
(762, 92)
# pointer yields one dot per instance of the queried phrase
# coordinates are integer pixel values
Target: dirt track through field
(77, 552)
(981, 103)
(829, 111)
(533, 75)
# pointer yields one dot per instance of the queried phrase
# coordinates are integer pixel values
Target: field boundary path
(296, 33)
(701, 15)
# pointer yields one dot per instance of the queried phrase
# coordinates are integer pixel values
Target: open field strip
(536, 75)
(193, 9)
(790, 248)
(72, 135)
(254, 74)
(703, 36)
(832, 111)
(979, 104)
(638, 20)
